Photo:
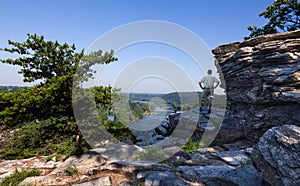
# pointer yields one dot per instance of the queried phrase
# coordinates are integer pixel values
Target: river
(143, 128)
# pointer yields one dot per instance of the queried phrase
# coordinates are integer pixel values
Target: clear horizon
(82, 23)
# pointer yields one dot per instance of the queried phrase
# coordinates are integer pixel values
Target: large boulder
(277, 155)
(221, 175)
(261, 77)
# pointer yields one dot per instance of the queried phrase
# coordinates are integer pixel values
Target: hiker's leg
(204, 95)
(201, 103)
(210, 103)
(211, 97)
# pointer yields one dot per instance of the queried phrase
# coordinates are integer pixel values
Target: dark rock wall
(261, 77)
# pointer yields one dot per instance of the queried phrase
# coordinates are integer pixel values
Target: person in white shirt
(209, 84)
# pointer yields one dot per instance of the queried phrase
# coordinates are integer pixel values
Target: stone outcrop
(8, 167)
(191, 120)
(261, 77)
(220, 165)
(277, 155)
(222, 175)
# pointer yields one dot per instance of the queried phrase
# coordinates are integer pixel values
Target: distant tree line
(139, 109)
(10, 88)
(182, 101)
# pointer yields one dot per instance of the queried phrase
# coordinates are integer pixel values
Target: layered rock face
(277, 155)
(261, 77)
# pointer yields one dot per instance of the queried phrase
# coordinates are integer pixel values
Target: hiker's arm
(200, 84)
(217, 84)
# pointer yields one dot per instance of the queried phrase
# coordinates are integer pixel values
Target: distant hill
(182, 100)
(10, 88)
(188, 100)
(141, 96)
(179, 100)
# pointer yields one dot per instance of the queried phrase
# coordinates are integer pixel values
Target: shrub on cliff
(55, 65)
(43, 115)
(36, 138)
(283, 16)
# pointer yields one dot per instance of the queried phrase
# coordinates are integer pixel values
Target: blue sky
(82, 22)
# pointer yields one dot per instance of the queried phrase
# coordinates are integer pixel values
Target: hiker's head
(209, 71)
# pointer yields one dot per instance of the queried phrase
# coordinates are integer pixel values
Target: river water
(144, 128)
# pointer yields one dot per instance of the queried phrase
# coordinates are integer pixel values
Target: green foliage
(124, 109)
(43, 59)
(219, 142)
(246, 162)
(35, 103)
(9, 88)
(182, 101)
(42, 115)
(51, 136)
(151, 153)
(48, 60)
(192, 146)
(138, 109)
(103, 96)
(119, 131)
(283, 15)
(94, 115)
(58, 66)
(71, 170)
(19, 176)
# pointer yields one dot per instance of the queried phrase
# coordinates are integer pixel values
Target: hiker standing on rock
(208, 89)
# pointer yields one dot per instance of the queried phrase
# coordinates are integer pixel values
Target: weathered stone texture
(277, 155)
(262, 80)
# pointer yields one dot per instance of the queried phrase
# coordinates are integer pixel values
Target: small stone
(234, 158)
(210, 149)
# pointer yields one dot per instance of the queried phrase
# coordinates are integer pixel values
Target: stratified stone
(131, 166)
(262, 78)
(221, 175)
(164, 179)
(82, 163)
(277, 155)
(235, 158)
(119, 152)
(104, 181)
(8, 167)
(49, 180)
(238, 145)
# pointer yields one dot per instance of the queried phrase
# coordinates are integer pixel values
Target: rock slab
(277, 155)
(222, 175)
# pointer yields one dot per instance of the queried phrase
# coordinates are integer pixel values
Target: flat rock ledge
(220, 165)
